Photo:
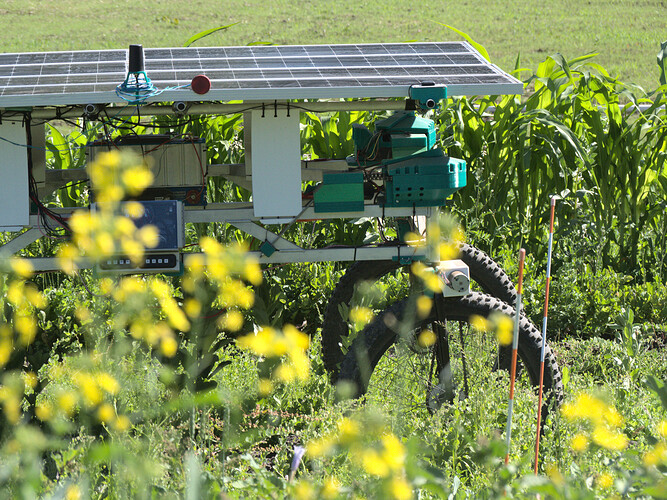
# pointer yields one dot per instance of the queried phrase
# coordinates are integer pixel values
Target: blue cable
(141, 89)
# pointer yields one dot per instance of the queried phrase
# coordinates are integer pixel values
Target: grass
(626, 35)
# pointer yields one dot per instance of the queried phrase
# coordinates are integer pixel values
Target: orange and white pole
(544, 334)
(515, 347)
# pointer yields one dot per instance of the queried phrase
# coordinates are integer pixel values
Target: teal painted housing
(402, 134)
(424, 180)
(427, 96)
(340, 192)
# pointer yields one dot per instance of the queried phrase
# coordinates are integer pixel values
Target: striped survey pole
(544, 334)
(515, 347)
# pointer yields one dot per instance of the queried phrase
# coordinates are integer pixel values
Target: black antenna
(136, 59)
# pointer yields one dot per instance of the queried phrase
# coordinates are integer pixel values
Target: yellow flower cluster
(432, 280)
(604, 420)
(657, 455)
(360, 316)
(25, 299)
(499, 323)
(136, 293)
(289, 345)
(114, 174)
(224, 270)
(443, 236)
(90, 391)
(10, 398)
(383, 456)
(108, 230)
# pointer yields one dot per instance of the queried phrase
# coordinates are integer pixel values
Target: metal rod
(225, 109)
(544, 334)
(515, 347)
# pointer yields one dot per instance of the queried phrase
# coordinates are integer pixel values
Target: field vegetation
(202, 386)
(626, 36)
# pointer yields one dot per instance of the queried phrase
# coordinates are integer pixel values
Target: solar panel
(253, 72)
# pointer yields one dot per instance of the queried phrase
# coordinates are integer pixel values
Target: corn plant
(578, 133)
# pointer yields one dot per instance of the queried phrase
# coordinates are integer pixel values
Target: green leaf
(206, 33)
(478, 46)
(658, 387)
(662, 55)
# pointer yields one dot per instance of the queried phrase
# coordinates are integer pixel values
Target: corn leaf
(478, 46)
(206, 33)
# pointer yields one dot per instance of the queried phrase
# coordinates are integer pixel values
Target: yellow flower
(168, 346)
(35, 297)
(393, 452)
(11, 406)
(133, 249)
(424, 305)
(413, 239)
(66, 258)
(107, 382)
(134, 209)
(232, 321)
(657, 455)
(260, 343)
(504, 329)
(605, 480)
(400, 489)
(296, 338)
(22, 267)
(426, 338)
(373, 463)
(579, 443)
(73, 492)
(6, 347)
(330, 488)
(175, 314)
(360, 316)
(15, 292)
(585, 407)
(122, 423)
(67, 402)
(285, 373)
(433, 282)
(320, 447)
(106, 413)
(303, 490)
(123, 226)
(89, 389)
(192, 307)
(301, 364)
(615, 441)
(448, 251)
(149, 236)
(27, 328)
(210, 246)
(264, 386)
(252, 272)
(348, 430)
(136, 179)
(480, 323)
(555, 474)
(662, 428)
(196, 266)
(44, 411)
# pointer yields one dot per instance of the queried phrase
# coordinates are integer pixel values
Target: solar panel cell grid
(253, 72)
